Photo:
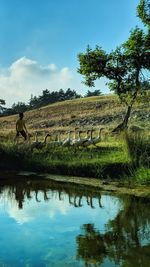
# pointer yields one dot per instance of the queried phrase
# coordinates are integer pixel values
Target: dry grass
(105, 111)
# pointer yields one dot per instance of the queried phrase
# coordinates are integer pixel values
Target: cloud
(25, 77)
(31, 211)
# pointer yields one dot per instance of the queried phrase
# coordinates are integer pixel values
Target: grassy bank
(114, 158)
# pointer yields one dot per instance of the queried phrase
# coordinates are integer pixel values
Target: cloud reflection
(33, 210)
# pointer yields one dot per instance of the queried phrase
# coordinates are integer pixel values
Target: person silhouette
(21, 127)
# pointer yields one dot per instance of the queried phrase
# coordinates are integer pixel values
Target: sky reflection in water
(48, 224)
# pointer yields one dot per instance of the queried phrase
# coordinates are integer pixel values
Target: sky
(40, 41)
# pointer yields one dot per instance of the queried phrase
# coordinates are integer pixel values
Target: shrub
(138, 145)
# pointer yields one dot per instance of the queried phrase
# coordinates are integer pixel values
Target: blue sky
(40, 40)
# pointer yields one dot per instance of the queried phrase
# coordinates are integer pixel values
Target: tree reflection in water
(125, 242)
(22, 188)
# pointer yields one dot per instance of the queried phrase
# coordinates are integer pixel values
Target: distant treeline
(46, 98)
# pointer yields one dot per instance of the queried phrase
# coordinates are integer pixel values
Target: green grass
(138, 146)
(142, 176)
(114, 158)
(109, 159)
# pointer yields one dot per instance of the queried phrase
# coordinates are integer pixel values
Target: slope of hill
(98, 111)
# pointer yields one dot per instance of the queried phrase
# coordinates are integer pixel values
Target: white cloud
(25, 77)
(32, 210)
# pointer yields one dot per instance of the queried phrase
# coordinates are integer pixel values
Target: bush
(138, 145)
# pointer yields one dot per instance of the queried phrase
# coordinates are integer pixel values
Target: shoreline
(110, 186)
(115, 187)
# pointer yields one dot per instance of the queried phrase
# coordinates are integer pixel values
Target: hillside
(104, 111)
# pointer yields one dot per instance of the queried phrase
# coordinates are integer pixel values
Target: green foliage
(134, 49)
(146, 86)
(139, 149)
(19, 107)
(48, 97)
(92, 64)
(142, 176)
(123, 68)
(93, 93)
(143, 11)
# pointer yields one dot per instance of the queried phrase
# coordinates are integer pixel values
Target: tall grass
(138, 145)
(139, 151)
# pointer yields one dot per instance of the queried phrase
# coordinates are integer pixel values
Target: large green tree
(124, 68)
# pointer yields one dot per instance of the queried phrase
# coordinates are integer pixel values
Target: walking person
(21, 127)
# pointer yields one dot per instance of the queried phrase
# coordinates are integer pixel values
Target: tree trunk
(122, 126)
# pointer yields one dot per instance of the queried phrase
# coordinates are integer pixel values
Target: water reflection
(126, 240)
(22, 189)
(57, 224)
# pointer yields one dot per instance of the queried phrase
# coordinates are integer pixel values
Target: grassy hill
(114, 157)
(106, 111)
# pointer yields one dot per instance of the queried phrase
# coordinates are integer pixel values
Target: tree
(71, 94)
(61, 95)
(33, 102)
(143, 11)
(44, 99)
(94, 93)
(19, 107)
(123, 67)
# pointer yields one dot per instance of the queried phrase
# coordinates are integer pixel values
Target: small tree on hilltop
(122, 67)
(93, 93)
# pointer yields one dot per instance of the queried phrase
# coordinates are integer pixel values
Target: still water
(46, 223)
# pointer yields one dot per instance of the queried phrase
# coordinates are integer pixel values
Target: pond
(47, 223)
